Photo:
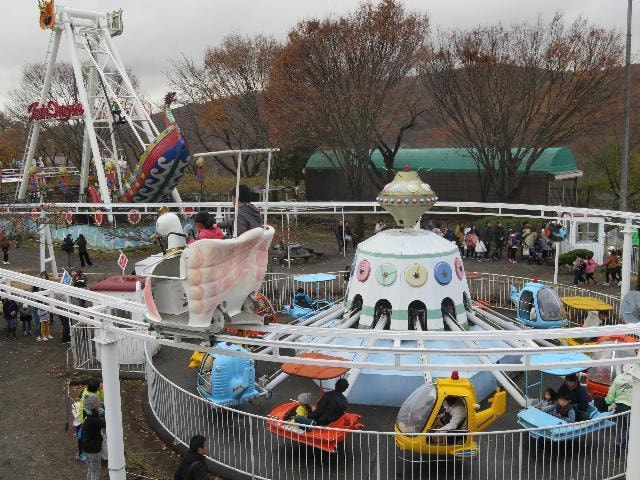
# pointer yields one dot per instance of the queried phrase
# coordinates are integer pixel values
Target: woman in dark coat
(82, 251)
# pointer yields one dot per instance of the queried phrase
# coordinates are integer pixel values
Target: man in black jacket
(248, 216)
(331, 406)
(577, 395)
(193, 466)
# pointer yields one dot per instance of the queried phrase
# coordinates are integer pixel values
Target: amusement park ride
(107, 103)
(407, 320)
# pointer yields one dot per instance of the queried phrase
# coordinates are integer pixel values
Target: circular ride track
(241, 442)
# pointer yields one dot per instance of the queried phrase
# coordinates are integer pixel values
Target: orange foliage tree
(226, 96)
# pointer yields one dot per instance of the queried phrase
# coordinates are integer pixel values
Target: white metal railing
(284, 349)
(242, 442)
(548, 212)
(280, 288)
(86, 353)
(496, 289)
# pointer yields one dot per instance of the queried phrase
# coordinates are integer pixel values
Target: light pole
(624, 167)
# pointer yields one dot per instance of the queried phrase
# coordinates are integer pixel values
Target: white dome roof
(407, 242)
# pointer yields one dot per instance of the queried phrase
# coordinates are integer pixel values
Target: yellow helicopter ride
(424, 412)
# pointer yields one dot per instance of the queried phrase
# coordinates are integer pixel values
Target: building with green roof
(453, 174)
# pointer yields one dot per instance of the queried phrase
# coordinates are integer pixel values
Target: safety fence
(86, 352)
(493, 288)
(496, 290)
(280, 288)
(261, 447)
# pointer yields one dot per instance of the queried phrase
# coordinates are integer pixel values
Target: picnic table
(292, 252)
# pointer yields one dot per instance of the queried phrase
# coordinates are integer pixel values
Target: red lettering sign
(54, 111)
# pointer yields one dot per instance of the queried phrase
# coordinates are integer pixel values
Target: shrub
(568, 258)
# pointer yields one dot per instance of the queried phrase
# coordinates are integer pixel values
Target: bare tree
(508, 93)
(226, 96)
(337, 83)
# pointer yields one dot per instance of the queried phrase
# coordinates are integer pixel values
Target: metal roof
(552, 160)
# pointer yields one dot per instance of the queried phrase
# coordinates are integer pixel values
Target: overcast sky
(158, 30)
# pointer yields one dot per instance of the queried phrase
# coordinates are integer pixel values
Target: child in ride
(562, 409)
(549, 398)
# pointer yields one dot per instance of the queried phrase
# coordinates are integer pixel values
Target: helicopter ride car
(228, 380)
(546, 426)
(538, 305)
(422, 409)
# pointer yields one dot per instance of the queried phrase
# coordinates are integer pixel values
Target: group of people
(584, 268)
(331, 406)
(571, 401)
(248, 217)
(68, 247)
(35, 320)
(492, 241)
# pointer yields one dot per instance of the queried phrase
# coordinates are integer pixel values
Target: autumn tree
(225, 93)
(12, 137)
(508, 93)
(337, 84)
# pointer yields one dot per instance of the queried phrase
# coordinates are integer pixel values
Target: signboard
(54, 111)
(122, 261)
(66, 278)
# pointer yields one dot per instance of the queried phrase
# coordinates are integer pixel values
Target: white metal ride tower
(103, 86)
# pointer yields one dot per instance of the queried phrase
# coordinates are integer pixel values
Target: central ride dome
(408, 277)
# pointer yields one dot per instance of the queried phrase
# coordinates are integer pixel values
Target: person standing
(26, 318)
(619, 400)
(193, 466)
(610, 265)
(579, 266)
(590, 269)
(499, 238)
(92, 436)
(487, 236)
(10, 310)
(4, 245)
(248, 215)
(82, 251)
(67, 247)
